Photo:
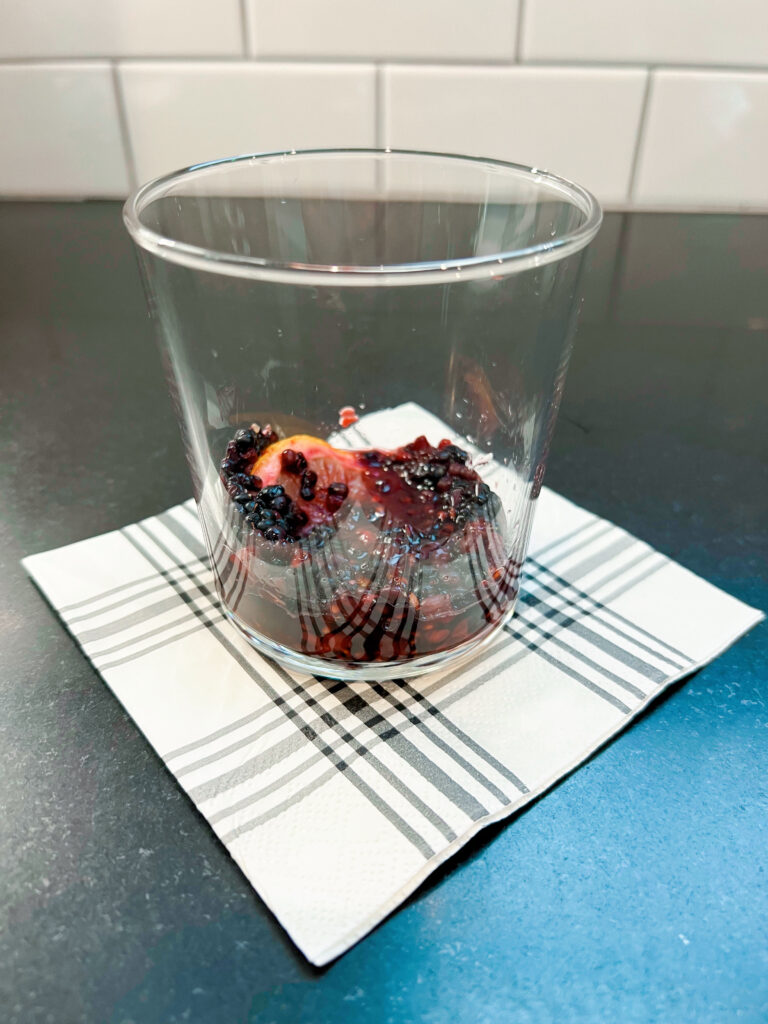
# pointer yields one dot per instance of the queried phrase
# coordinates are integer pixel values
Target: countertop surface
(636, 890)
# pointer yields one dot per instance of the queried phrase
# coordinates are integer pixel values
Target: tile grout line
(245, 29)
(378, 113)
(519, 32)
(759, 70)
(641, 128)
(122, 121)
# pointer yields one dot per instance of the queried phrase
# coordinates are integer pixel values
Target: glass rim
(409, 272)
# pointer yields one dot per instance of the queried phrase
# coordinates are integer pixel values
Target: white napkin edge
(340, 946)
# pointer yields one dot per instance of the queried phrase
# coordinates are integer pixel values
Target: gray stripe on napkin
(292, 801)
(217, 734)
(246, 741)
(147, 650)
(430, 771)
(149, 611)
(190, 542)
(392, 816)
(422, 726)
(599, 613)
(74, 620)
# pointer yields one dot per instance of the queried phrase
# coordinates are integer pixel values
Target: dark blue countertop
(635, 891)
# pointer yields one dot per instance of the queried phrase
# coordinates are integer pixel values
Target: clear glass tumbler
(367, 350)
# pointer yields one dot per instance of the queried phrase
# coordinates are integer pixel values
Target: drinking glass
(367, 351)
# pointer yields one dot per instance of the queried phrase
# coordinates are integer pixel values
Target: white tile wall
(559, 83)
(119, 28)
(657, 31)
(580, 123)
(384, 29)
(180, 114)
(60, 133)
(706, 141)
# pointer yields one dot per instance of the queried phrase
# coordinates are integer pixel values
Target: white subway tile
(579, 123)
(60, 132)
(384, 29)
(179, 114)
(119, 28)
(705, 141)
(659, 31)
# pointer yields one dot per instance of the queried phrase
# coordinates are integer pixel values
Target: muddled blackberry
(431, 489)
(368, 555)
(264, 508)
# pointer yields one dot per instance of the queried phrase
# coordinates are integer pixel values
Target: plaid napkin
(338, 799)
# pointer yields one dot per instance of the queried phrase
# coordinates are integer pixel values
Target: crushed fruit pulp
(360, 555)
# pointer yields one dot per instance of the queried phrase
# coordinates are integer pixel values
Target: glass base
(378, 671)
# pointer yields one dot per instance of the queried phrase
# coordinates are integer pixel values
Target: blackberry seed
(244, 440)
(269, 494)
(308, 482)
(293, 462)
(335, 496)
(267, 436)
(451, 453)
(483, 494)
(295, 520)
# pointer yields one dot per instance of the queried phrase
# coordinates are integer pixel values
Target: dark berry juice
(360, 556)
